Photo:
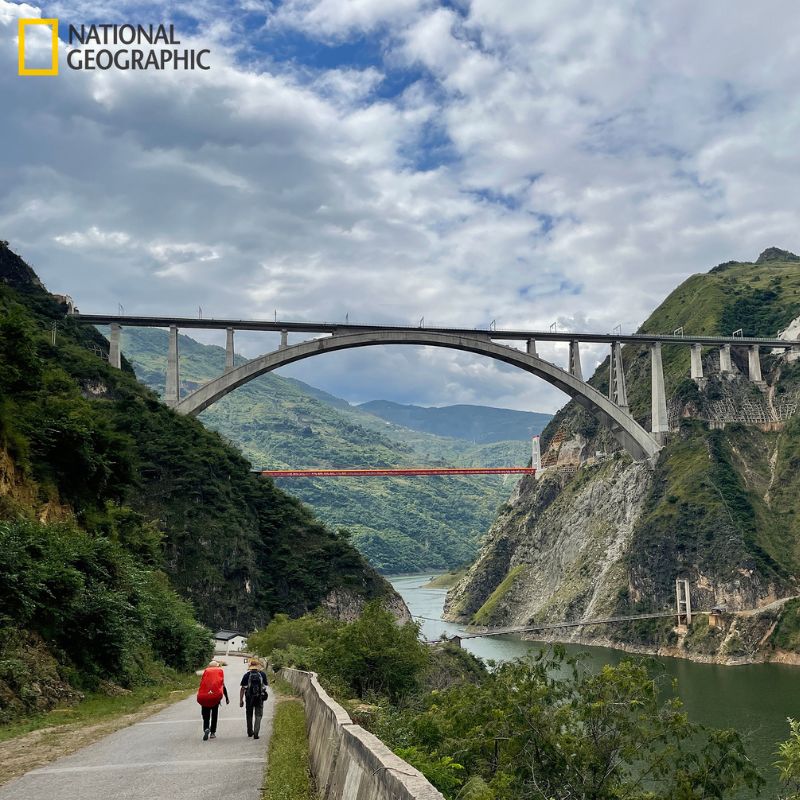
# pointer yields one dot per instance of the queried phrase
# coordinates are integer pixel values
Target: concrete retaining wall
(348, 762)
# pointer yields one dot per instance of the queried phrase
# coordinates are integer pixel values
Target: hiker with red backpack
(253, 693)
(209, 695)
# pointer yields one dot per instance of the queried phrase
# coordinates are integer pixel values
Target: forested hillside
(108, 500)
(400, 524)
(720, 507)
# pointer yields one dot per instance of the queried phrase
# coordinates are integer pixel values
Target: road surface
(162, 757)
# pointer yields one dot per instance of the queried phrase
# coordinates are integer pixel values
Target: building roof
(225, 635)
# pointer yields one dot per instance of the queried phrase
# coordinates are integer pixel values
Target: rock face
(346, 605)
(596, 535)
(15, 272)
(776, 254)
(564, 540)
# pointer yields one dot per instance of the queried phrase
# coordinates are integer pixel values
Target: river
(755, 699)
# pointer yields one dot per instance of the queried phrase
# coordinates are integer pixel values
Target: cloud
(93, 238)
(462, 162)
(336, 19)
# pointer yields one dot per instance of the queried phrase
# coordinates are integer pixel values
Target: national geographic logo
(108, 47)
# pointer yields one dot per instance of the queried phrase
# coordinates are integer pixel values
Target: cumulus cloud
(462, 162)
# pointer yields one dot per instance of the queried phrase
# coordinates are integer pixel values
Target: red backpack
(210, 692)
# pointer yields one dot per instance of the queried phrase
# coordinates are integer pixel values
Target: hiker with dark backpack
(252, 694)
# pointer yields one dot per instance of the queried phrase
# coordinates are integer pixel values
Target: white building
(229, 641)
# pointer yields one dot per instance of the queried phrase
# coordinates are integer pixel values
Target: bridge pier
(172, 394)
(228, 349)
(575, 359)
(617, 390)
(754, 364)
(725, 362)
(683, 602)
(114, 354)
(658, 402)
(530, 348)
(284, 339)
(697, 362)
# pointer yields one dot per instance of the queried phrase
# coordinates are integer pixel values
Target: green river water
(755, 699)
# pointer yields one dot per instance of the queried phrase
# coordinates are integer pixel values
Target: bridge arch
(632, 436)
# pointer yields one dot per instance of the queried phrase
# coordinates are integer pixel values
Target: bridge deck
(571, 624)
(336, 328)
(388, 473)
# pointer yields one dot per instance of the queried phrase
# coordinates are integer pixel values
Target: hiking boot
(213, 735)
(205, 734)
(250, 733)
(255, 736)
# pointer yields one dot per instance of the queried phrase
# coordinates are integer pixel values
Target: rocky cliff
(597, 535)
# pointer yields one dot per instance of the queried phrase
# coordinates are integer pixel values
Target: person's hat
(213, 663)
(254, 663)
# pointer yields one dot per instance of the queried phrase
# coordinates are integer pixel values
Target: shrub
(89, 598)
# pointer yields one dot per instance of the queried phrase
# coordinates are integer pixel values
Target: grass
(484, 614)
(98, 707)
(288, 774)
(787, 631)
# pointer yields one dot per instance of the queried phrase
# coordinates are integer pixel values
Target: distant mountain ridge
(480, 424)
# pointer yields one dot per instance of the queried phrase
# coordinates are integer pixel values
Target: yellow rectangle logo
(53, 69)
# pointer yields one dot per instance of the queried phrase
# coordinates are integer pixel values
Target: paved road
(163, 757)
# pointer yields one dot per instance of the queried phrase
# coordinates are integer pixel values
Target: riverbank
(759, 636)
(776, 656)
(445, 580)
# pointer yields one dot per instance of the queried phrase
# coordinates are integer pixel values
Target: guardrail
(348, 762)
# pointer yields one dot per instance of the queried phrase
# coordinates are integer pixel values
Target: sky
(464, 161)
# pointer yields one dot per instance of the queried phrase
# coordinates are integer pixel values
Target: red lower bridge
(390, 473)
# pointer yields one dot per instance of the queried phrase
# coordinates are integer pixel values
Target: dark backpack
(256, 691)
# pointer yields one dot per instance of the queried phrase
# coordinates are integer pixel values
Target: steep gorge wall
(597, 535)
(562, 540)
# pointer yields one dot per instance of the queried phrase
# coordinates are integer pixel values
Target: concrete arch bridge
(612, 410)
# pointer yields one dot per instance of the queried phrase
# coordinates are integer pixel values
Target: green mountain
(473, 423)
(115, 511)
(599, 535)
(400, 524)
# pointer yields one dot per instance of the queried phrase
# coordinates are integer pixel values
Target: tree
(788, 763)
(547, 729)
(375, 655)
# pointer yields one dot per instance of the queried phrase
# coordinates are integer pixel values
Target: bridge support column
(530, 348)
(683, 602)
(575, 359)
(697, 362)
(754, 364)
(114, 354)
(228, 349)
(725, 363)
(617, 390)
(660, 422)
(172, 395)
(284, 339)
